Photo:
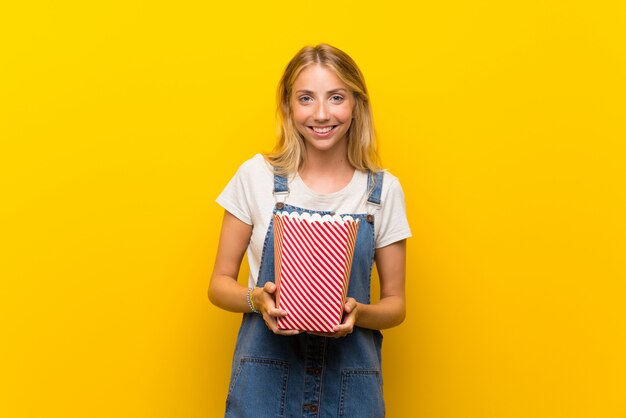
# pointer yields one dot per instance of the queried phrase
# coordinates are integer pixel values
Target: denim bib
(306, 375)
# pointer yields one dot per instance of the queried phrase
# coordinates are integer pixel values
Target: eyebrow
(341, 89)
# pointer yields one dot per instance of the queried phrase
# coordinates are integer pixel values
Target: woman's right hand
(264, 299)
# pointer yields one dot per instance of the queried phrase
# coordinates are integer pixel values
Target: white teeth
(322, 130)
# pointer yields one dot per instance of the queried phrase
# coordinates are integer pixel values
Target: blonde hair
(289, 152)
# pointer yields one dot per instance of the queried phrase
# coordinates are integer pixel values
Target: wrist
(358, 310)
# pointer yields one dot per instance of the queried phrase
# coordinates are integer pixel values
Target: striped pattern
(313, 257)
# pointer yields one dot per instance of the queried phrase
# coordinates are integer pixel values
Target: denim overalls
(306, 375)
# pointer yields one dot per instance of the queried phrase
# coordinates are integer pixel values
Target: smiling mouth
(322, 130)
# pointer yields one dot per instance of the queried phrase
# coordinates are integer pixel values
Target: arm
(391, 308)
(224, 291)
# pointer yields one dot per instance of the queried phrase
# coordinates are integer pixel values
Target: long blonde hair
(289, 152)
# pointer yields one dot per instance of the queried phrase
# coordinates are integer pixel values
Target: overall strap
(280, 185)
(374, 187)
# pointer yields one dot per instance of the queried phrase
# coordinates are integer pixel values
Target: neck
(326, 172)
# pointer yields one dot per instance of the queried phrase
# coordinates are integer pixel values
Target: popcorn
(313, 257)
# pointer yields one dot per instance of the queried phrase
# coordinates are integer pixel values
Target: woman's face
(322, 108)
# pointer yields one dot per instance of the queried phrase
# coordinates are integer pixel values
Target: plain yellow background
(121, 121)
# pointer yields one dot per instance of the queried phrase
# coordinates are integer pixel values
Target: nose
(321, 112)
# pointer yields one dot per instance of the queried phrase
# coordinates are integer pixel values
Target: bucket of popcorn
(313, 257)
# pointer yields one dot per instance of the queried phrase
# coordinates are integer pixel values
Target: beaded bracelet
(250, 303)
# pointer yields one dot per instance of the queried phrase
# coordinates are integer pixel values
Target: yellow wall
(120, 122)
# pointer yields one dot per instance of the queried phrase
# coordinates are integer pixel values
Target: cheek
(298, 115)
(298, 120)
(346, 111)
(345, 115)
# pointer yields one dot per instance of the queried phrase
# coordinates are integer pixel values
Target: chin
(322, 145)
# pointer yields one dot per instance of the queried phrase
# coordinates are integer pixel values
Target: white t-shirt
(249, 197)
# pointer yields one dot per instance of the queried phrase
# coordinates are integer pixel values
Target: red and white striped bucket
(313, 257)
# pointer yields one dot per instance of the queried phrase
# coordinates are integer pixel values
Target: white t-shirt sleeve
(392, 222)
(234, 197)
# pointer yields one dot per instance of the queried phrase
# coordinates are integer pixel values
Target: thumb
(269, 287)
(350, 305)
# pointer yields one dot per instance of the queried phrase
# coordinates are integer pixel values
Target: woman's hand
(351, 313)
(264, 299)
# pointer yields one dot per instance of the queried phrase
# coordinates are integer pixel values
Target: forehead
(317, 77)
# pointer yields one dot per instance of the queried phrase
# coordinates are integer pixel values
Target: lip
(322, 135)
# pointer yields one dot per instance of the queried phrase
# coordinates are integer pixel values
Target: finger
(344, 328)
(347, 327)
(273, 326)
(287, 332)
(277, 312)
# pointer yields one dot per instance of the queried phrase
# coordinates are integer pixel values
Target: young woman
(324, 162)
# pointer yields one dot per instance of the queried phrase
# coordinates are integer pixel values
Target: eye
(305, 99)
(336, 98)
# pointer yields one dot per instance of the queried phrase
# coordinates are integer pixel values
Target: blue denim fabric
(306, 375)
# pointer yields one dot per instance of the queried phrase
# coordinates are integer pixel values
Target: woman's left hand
(351, 312)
